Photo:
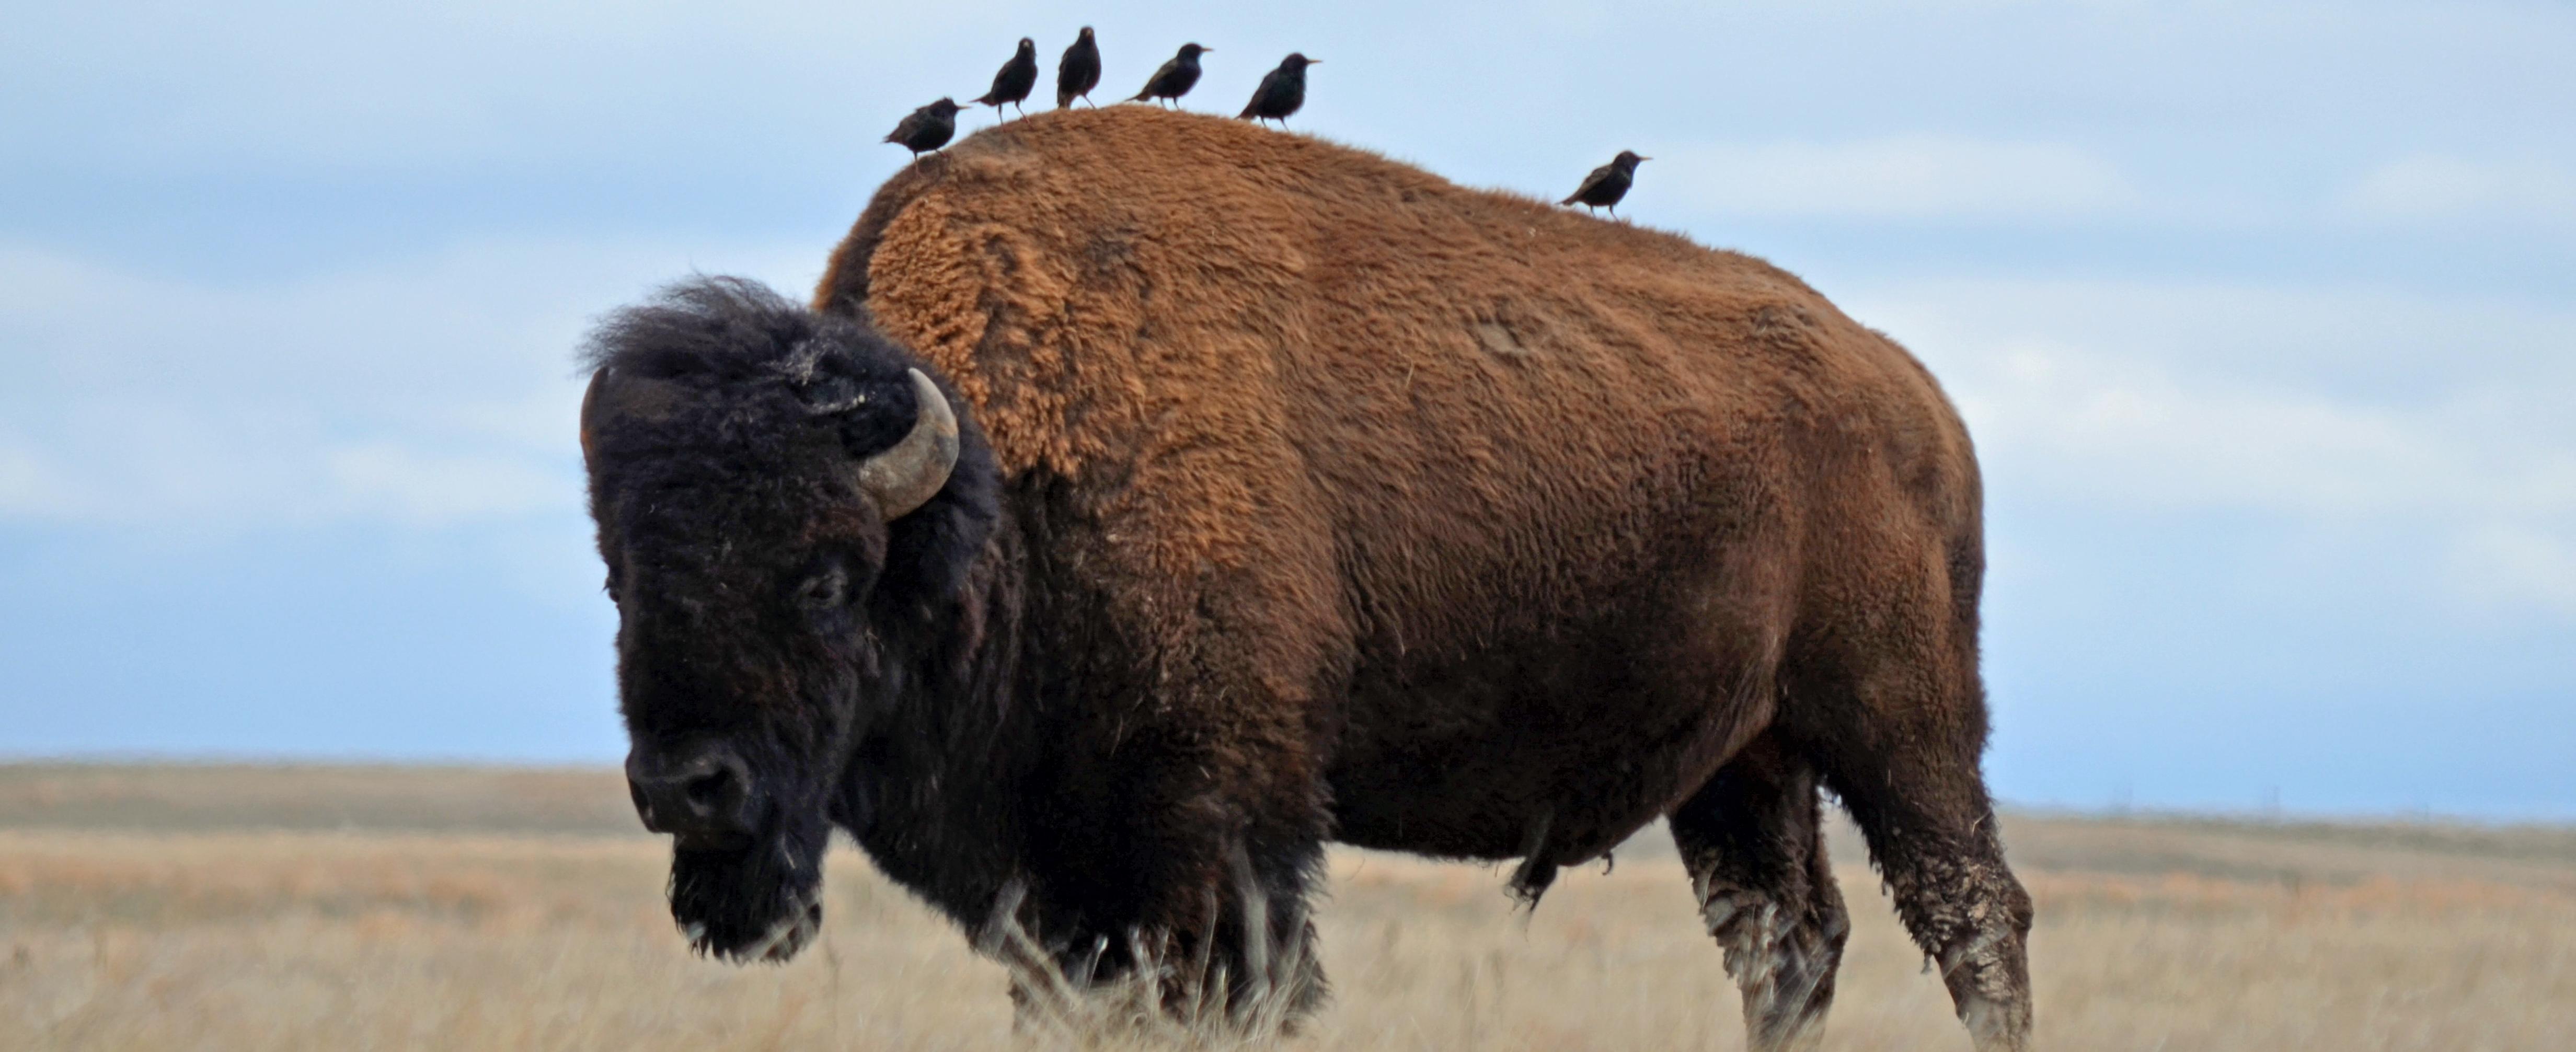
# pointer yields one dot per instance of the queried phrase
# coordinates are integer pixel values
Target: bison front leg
(1256, 955)
(1240, 964)
(1185, 790)
(1756, 854)
(1172, 888)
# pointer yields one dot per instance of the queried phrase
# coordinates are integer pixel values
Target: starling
(1282, 90)
(1079, 72)
(1177, 76)
(1017, 76)
(928, 128)
(1608, 183)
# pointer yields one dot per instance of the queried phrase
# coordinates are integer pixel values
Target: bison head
(785, 502)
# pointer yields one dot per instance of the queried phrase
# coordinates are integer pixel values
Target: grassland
(317, 908)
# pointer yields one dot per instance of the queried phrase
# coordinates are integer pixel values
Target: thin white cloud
(2134, 434)
(2153, 399)
(423, 393)
(107, 458)
(1898, 177)
(27, 485)
(2432, 188)
(2507, 564)
(425, 489)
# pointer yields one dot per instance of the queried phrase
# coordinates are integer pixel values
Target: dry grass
(145, 909)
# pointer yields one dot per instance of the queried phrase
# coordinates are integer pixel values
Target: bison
(1146, 499)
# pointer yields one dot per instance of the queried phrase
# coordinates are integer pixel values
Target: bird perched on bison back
(1177, 76)
(1079, 72)
(927, 128)
(1016, 78)
(1282, 91)
(1608, 183)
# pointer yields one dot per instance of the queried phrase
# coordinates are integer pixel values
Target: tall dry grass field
(213, 908)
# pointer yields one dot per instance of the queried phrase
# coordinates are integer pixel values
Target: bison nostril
(713, 792)
(707, 801)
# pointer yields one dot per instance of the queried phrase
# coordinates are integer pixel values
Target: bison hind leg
(1959, 900)
(1754, 846)
(1909, 777)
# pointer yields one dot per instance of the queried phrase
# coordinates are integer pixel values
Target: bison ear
(614, 397)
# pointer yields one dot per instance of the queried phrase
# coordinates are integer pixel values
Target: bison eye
(825, 589)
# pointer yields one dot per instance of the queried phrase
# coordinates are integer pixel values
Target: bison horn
(589, 399)
(907, 474)
(618, 396)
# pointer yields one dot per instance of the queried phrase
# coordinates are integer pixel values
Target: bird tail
(1245, 115)
(987, 100)
(1063, 98)
(1569, 200)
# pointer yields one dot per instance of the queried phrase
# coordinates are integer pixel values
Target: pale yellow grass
(131, 935)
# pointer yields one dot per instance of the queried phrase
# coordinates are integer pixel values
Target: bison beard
(759, 903)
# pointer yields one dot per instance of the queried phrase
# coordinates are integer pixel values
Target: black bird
(928, 128)
(1079, 72)
(1282, 90)
(1177, 76)
(1608, 183)
(1017, 76)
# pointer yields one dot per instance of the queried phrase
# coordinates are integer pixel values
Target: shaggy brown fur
(1338, 501)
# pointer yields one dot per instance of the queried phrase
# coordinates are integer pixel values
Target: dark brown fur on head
(764, 603)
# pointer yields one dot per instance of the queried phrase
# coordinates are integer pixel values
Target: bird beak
(1314, 62)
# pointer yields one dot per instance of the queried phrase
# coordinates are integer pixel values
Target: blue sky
(2264, 316)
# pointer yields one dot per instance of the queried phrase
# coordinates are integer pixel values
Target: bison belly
(1562, 726)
